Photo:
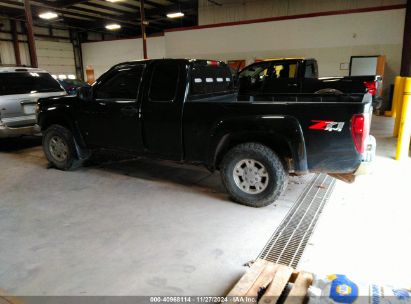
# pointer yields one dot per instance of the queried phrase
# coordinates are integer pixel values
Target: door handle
(129, 111)
(26, 101)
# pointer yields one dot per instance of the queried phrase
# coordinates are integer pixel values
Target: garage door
(56, 57)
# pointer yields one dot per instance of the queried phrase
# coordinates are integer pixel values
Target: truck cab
(286, 77)
(188, 111)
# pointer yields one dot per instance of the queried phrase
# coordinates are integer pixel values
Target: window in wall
(164, 82)
(122, 84)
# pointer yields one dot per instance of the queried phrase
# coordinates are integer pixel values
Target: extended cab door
(111, 118)
(162, 109)
(283, 78)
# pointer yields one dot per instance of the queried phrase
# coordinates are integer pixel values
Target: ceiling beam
(94, 14)
(11, 4)
(68, 3)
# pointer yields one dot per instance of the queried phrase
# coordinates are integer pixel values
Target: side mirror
(84, 93)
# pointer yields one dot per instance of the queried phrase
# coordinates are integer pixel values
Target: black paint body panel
(199, 129)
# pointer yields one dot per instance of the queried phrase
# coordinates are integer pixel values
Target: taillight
(371, 87)
(360, 124)
(213, 62)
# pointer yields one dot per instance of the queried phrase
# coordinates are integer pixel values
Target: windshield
(255, 70)
(73, 82)
(27, 82)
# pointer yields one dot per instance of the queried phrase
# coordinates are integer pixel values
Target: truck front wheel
(253, 175)
(59, 147)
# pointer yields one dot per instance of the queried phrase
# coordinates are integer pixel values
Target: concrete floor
(364, 231)
(123, 228)
(154, 228)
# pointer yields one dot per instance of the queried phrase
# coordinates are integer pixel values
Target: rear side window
(309, 71)
(211, 79)
(27, 82)
(121, 84)
(164, 81)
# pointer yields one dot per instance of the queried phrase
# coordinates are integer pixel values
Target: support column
(16, 45)
(143, 29)
(78, 57)
(30, 34)
(406, 48)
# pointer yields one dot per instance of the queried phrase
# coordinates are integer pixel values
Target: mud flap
(82, 153)
(345, 177)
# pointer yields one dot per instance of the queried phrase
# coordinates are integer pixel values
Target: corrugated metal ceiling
(95, 14)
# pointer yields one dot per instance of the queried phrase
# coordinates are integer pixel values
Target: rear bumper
(366, 163)
(368, 157)
(6, 132)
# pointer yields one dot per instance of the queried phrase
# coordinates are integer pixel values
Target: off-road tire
(277, 173)
(71, 161)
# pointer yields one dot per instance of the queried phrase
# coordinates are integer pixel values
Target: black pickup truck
(188, 111)
(288, 76)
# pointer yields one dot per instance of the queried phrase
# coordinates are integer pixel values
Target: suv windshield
(27, 82)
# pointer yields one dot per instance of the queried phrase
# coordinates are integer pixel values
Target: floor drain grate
(288, 242)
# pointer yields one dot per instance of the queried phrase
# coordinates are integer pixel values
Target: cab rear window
(27, 82)
(211, 79)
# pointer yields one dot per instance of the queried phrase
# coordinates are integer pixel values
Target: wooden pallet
(271, 279)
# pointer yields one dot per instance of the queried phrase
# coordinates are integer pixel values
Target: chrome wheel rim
(250, 176)
(58, 148)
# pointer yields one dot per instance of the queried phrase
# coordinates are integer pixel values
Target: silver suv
(20, 88)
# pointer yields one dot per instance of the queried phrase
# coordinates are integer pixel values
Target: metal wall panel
(6, 52)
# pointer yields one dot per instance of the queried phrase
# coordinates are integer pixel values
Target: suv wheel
(59, 147)
(253, 175)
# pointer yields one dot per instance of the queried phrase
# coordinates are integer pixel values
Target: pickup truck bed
(291, 76)
(189, 111)
(312, 150)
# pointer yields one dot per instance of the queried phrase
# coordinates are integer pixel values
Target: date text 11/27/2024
(202, 299)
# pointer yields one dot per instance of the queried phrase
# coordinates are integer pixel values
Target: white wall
(104, 54)
(239, 10)
(330, 39)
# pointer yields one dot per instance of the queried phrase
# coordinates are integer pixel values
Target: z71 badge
(326, 125)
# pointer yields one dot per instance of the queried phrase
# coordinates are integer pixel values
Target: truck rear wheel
(59, 148)
(253, 175)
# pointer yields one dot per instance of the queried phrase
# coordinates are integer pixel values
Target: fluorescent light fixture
(113, 1)
(113, 26)
(71, 76)
(175, 15)
(54, 76)
(62, 77)
(48, 15)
